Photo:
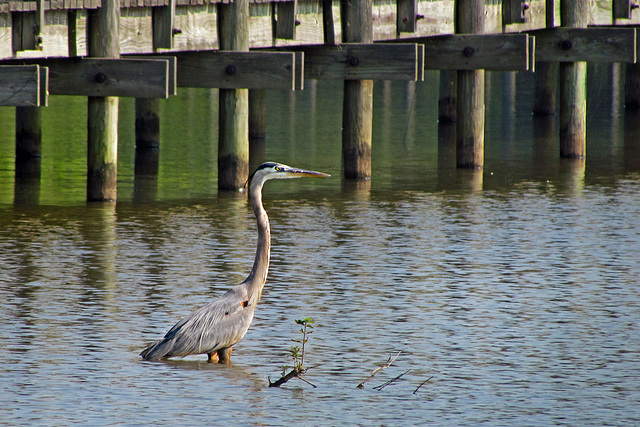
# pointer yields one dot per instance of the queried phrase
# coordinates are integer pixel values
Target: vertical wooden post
(28, 155)
(447, 109)
(233, 142)
(257, 127)
(147, 136)
(162, 21)
(357, 113)
(102, 116)
(329, 31)
(469, 19)
(546, 88)
(632, 87)
(546, 75)
(573, 87)
(407, 12)
(72, 32)
(28, 133)
(286, 21)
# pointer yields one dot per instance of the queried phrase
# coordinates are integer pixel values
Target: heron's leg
(213, 357)
(224, 355)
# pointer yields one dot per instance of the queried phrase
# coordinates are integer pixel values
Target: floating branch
(391, 381)
(295, 372)
(375, 371)
(421, 384)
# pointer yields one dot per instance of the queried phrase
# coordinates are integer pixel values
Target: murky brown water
(516, 289)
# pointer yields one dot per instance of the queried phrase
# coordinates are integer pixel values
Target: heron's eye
(278, 168)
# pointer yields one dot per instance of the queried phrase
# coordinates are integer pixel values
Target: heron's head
(271, 170)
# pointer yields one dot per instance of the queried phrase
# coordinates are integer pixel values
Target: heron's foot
(221, 356)
(224, 355)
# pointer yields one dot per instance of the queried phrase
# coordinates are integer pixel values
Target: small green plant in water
(297, 351)
(297, 354)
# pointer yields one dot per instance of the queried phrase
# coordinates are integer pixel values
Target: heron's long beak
(296, 173)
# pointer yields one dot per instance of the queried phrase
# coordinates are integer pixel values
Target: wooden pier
(148, 49)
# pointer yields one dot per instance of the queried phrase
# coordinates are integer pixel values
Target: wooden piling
(147, 137)
(357, 113)
(328, 30)
(28, 155)
(257, 127)
(546, 88)
(233, 122)
(573, 87)
(546, 75)
(632, 87)
(102, 116)
(447, 109)
(469, 19)
(28, 133)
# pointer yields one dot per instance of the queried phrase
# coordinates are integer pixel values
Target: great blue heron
(216, 327)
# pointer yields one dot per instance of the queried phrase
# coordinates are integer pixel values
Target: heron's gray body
(216, 327)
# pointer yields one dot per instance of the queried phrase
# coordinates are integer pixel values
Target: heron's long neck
(258, 276)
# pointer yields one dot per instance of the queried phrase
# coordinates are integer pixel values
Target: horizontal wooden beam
(23, 85)
(138, 78)
(494, 52)
(593, 44)
(238, 70)
(354, 61)
(173, 70)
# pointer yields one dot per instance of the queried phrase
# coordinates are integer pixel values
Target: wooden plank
(586, 44)
(237, 70)
(355, 61)
(20, 86)
(532, 54)
(421, 63)
(172, 78)
(286, 23)
(111, 77)
(494, 52)
(406, 16)
(44, 86)
(101, 77)
(299, 71)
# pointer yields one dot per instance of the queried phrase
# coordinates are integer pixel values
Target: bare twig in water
(294, 373)
(375, 371)
(307, 381)
(391, 381)
(421, 384)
